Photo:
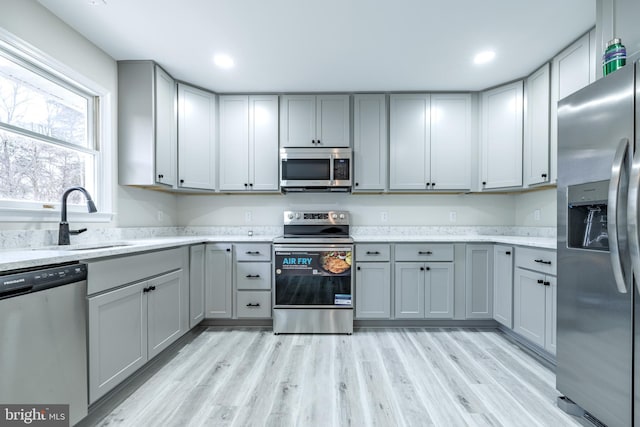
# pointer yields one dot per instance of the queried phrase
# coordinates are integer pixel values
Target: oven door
(313, 276)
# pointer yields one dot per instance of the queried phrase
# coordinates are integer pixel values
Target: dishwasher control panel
(19, 282)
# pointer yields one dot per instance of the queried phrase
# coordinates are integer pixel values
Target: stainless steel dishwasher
(43, 338)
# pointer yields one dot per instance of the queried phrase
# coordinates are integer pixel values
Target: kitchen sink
(85, 246)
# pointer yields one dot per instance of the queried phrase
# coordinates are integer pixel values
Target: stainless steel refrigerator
(598, 252)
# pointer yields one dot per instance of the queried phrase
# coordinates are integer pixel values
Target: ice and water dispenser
(587, 216)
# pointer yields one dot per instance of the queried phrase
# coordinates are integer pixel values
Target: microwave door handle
(632, 217)
(331, 168)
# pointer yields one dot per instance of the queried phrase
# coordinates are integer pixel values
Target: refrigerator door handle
(612, 212)
(632, 217)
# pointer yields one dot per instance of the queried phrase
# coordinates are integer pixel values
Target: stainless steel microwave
(315, 169)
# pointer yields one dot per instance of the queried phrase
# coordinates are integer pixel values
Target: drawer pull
(373, 253)
(253, 305)
(508, 253)
(252, 276)
(252, 252)
(425, 253)
(541, 281)
(543, 261)
(547, 283)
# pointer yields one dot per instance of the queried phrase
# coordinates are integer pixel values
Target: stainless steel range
(312, 274)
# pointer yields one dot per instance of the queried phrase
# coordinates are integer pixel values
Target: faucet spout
(63, 231)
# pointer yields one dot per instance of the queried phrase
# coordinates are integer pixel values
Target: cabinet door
(164, 311)
(117, 337)
(409, 290)
(196, 284)
(536, 134)
(529, 300)
(298, 121)
(369, 142)
(409, 125)
(438, 290)
(450, 141)
(571, 70)
(218, 289)
(196, 138)
(332, 121)
(479, 282)
(373, 290)
(503, 285)
(165, 128)
(234, 143)
(263, 143)
(551, 313)
(501, 137)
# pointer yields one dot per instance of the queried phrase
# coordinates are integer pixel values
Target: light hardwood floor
(375, 377)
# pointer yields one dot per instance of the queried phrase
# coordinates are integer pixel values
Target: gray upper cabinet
(430, 142)
(196, 138)
(501, 137)
(314, 121)
(147, 125)
(503, 284)
(479, 278)
(536, 127)
(370, 142)
(249, 143)
(571, 70)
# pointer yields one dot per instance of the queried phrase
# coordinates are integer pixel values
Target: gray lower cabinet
(503, 285)
(218, 293)
(373, 290)
(252, 273)
(479, 282)
(130, 325)
(424, 290)
(196, 284)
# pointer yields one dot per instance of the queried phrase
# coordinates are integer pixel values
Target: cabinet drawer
(253, 275)
(253, 252)
(424, 252)
(253, 304)
(536, 259)
(372, 252)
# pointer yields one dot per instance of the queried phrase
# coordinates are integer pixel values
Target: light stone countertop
(12, 259)
(537, 242)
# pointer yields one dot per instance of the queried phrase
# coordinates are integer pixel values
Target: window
(47, 136)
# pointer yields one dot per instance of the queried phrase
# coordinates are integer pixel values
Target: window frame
(99, 130)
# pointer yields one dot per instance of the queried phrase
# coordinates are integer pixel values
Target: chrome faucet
(64, 232)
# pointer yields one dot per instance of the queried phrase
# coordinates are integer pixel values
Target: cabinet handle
(160, 176)
(253, 305)
(358, 268)
(145, 290)
(373, 253)
(484, 182)
(357, 183)
(433, 184)
(252, 252)
(508, 253)
(542, 261)
(182, 181)
(245, 185)
(318, 142)
(253, 276)
(541, 281)
(313, 141)
(228, 249)
(251, 184)
(547, 283)
(544, 175)
(425, 253)
(152, 288)
(428, 184)
(421, 268)
(428, 268)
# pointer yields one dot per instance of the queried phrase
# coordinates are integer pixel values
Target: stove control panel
(316, 217)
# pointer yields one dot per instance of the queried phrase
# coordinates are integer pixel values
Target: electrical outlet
(160, 216)
(453, 216)
(384, 216)
(536, 215)
(248, 216)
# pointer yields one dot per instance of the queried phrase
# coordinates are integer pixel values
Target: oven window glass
(306, 169)
(313, 278)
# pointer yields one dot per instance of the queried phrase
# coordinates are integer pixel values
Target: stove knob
(297, 215)
(341, 216)
(334, 216)
(290, 215)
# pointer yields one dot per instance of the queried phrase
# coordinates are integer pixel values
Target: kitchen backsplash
(16, 239)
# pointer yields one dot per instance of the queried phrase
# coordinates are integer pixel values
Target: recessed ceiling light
(223, 60)
(484, 57)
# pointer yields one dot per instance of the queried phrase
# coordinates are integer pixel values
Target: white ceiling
(333, 45)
